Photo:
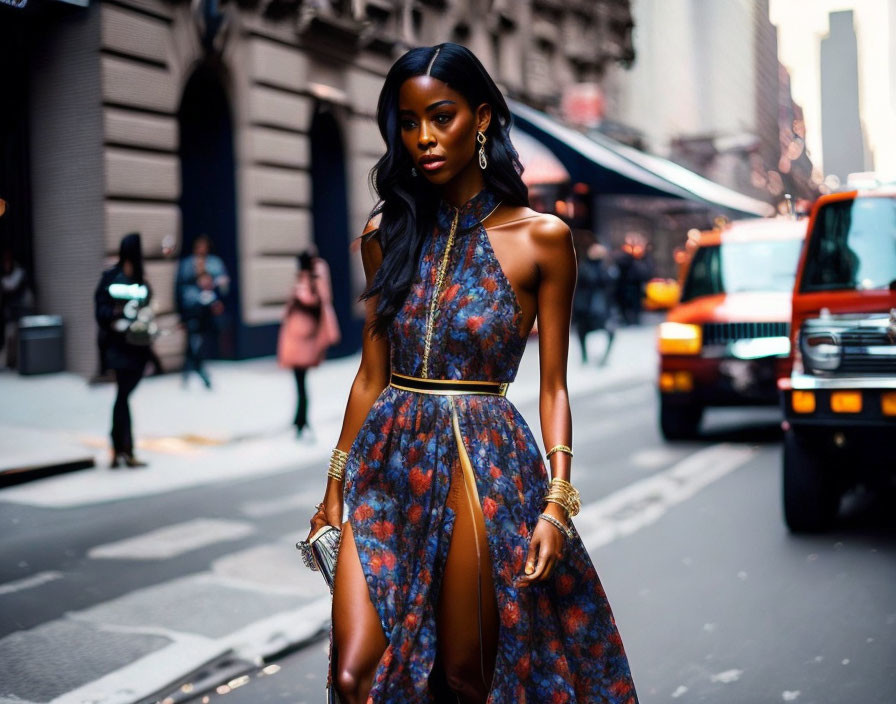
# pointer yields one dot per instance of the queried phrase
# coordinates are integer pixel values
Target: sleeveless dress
(557, 640)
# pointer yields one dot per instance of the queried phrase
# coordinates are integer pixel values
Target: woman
(122, 311)
(309, 327)
(458, 579)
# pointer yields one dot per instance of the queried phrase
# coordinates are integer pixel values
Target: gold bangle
(338, 460)
(558, 448)
(559, 502)
(565, 494)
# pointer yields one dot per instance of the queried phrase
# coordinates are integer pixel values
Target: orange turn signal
(846, 402)
(803, 402)
(888, 403)
(667, 382)
(684, 381)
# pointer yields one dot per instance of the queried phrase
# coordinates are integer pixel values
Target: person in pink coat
(308, 329)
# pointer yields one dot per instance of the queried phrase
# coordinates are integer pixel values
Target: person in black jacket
(122, 311)
(592, 304)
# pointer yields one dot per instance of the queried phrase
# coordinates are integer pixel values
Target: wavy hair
(407, 204)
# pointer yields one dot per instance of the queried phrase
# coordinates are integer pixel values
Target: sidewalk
(240, 428)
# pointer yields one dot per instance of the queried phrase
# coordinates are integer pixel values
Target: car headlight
(680, 338)
(821, 350)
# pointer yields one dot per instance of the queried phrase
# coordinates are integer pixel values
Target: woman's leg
(582, 331)
(301, 419)
(467, 616)
(127, 380)
(358, 639)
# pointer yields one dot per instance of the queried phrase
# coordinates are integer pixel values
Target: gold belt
(447, 387)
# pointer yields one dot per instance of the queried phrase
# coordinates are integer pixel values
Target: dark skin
(536, 253)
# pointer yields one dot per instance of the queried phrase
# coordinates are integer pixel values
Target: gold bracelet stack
(337, 464)
(565, 494)
(558, 448)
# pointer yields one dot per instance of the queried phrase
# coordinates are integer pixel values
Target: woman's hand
(545, 549)
(329, 512)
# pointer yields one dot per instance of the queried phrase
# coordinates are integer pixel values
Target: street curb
(11, 476)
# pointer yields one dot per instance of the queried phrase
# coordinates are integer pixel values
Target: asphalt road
(715, 601)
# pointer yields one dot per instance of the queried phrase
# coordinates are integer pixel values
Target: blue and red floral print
(558, 642)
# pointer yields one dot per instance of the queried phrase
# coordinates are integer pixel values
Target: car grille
(723, 333)
(859, 352)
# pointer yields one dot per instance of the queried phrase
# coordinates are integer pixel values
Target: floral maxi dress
(557, 640)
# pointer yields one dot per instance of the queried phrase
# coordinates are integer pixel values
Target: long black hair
(408, 204)
(130, 250)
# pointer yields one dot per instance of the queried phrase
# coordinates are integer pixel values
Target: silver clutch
(320, 551)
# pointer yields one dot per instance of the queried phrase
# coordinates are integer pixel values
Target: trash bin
(41, 348)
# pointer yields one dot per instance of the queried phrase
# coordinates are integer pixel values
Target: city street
(180, 585)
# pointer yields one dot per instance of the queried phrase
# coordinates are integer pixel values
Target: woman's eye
(443, 119)
(407, 124)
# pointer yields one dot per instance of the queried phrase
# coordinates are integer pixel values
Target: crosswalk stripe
(34, 580)
(643, 502)
(282, 504)
(173, 540)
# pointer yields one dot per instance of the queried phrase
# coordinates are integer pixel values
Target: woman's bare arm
(371, 379)
(556, 261)
(557, 283)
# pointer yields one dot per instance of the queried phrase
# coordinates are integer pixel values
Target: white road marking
(172, 541)
(790, 696)
(34, 580)
(283, 504)
(653, 457)
(679, 690)
(727, 677)
(643, 502)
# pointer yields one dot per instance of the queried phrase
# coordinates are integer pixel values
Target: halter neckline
(471, 213)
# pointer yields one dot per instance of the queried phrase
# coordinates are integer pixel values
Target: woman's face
(438, 128)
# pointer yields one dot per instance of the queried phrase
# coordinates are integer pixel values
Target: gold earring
(481, 138)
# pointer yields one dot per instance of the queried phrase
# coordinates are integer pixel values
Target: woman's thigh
(467, 617)
(358, 637)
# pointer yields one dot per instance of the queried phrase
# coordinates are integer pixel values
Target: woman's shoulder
(540, 227)
(372, 225)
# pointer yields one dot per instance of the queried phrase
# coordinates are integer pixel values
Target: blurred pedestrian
(202, 261)
(122, 309)
(309, 328)
(201, 306)
(16, 300)
(593, 302)
(634, 271)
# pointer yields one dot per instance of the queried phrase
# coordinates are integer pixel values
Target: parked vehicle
(661, 294)
(722, 344)
(839, 397)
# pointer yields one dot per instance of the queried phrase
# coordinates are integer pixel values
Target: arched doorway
(208, 188)
(329, 204)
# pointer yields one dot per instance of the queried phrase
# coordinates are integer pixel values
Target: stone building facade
(250, 121)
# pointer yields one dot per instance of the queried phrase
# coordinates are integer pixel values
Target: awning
(614, 168)
(540, 166)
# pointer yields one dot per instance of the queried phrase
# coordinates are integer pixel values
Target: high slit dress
(557, 639)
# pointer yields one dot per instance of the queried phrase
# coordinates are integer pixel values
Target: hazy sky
(801, 26)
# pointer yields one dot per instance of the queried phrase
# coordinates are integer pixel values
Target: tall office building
(842, 136)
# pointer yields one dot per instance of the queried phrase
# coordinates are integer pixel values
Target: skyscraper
(843, 140)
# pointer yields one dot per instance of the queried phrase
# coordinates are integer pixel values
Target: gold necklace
(440, 280)
(434, 301)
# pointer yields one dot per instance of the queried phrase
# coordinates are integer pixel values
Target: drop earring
(483, 161)
(413, 171)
